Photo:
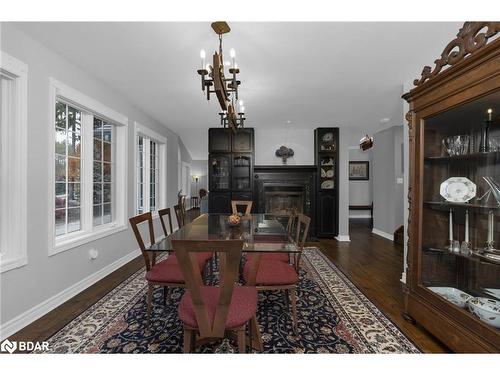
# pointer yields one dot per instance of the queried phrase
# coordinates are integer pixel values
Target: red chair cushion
(168, 270)
(242, 308)
(272, 272)
(282, 257)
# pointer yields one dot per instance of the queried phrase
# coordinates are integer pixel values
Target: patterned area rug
(334, 317)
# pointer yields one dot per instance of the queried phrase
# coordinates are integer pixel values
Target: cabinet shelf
(472, 207)
(474, 257)
(477, 156)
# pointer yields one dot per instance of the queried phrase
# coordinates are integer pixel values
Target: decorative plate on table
(458, 189)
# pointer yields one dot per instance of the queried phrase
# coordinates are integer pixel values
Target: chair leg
(150, 301)
(242, 345)
(287, 299)
(250, 335)
(256, 332)
(293, 295)
(188, 336)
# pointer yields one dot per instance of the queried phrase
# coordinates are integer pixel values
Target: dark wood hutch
(454, 140)
(230, 167)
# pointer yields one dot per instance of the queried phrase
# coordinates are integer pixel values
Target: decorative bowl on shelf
(486, 309)
(453, 295)
(456, 145)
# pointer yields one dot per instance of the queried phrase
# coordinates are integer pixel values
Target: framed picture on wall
(359, 170)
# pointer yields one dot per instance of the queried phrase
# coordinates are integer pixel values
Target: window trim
(141, 130)
(16, 255)
(58, 90)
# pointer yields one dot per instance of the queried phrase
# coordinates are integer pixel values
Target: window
(13, 126)
(89, 184)
(150, 171)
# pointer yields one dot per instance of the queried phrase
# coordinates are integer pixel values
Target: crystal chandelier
(214, 81)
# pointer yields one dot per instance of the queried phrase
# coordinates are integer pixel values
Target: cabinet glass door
(242, 168)
(460, 256)
(220, 172)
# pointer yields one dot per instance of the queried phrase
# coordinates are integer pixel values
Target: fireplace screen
(283, 200)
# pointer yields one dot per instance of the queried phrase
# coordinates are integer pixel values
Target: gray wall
(199, 168)
(360, 192)
(43, 277)
(387, 193)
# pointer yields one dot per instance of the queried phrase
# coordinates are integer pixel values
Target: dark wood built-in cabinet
(453, 274)
(326, 151)
(230, 167)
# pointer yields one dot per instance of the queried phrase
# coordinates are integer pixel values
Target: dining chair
(211, 311)
(283, 257)
(271, 274)
(165, 212)
(166, 273)
(247, 204)
(180, 215)
(194, 202)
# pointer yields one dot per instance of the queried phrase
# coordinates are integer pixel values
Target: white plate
(329, 173)
(455, 296)
(327, 184)
(458, 189)
(493, 292)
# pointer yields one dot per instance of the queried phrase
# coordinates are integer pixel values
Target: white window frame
(161, 141)
(88, 233)
(14, 168)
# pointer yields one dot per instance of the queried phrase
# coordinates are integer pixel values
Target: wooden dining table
(260, 233)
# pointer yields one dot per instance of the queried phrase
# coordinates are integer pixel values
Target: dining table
(260, 233)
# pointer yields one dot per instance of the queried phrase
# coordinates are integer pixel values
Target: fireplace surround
(280, 189)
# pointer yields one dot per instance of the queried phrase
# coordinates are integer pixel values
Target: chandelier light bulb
(240, 102)
(232, 53)
(490, 111)
(242, 109)
(202, 54)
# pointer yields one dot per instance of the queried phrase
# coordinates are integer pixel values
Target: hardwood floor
(371, 262)
(374, 264)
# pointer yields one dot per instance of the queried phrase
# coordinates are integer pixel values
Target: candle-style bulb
(232, 53)
(240, 102)
(490, 111)
(202, 54)
(242, 109)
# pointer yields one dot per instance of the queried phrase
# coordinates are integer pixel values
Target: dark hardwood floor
(371, 262)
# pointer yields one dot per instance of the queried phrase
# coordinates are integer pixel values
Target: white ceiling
(313, 74)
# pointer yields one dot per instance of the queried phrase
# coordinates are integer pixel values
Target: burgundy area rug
(334, 317)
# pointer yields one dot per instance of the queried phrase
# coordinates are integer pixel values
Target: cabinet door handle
(256, 176)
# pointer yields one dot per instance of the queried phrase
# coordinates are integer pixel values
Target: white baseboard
(360, 216)
(36, 312)
(343, 238)
(383, 234)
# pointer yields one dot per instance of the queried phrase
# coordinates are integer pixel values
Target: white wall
(199, 168)
(387, 191)
(267, 141)
(29, 291)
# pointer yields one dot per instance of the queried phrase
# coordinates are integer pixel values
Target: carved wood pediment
(469, 40)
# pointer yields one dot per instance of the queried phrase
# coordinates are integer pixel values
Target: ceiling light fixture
(213, 81)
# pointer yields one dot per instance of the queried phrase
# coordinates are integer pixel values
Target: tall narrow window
(103, 168)
(150, 162)
(68, 143)
(13, 160)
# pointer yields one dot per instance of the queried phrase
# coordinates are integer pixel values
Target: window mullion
(87, 175)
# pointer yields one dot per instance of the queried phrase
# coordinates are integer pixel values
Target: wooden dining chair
(180, 215)
(163, 213)
(195, 202)
(211, 311)
(166, 273)
(247, 204)
(271, 274)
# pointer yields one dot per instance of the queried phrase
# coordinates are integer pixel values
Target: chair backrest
(134, 223)
(291, 222)
(162, 213)
(247, 204)
(301, 234)
(179, 215)
(230, 253)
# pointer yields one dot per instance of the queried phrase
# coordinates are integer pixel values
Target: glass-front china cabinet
(453, 276)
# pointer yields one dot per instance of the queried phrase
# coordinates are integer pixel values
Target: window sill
(12, 263)
(81, 239)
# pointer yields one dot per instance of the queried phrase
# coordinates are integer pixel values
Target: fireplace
(281, 189)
